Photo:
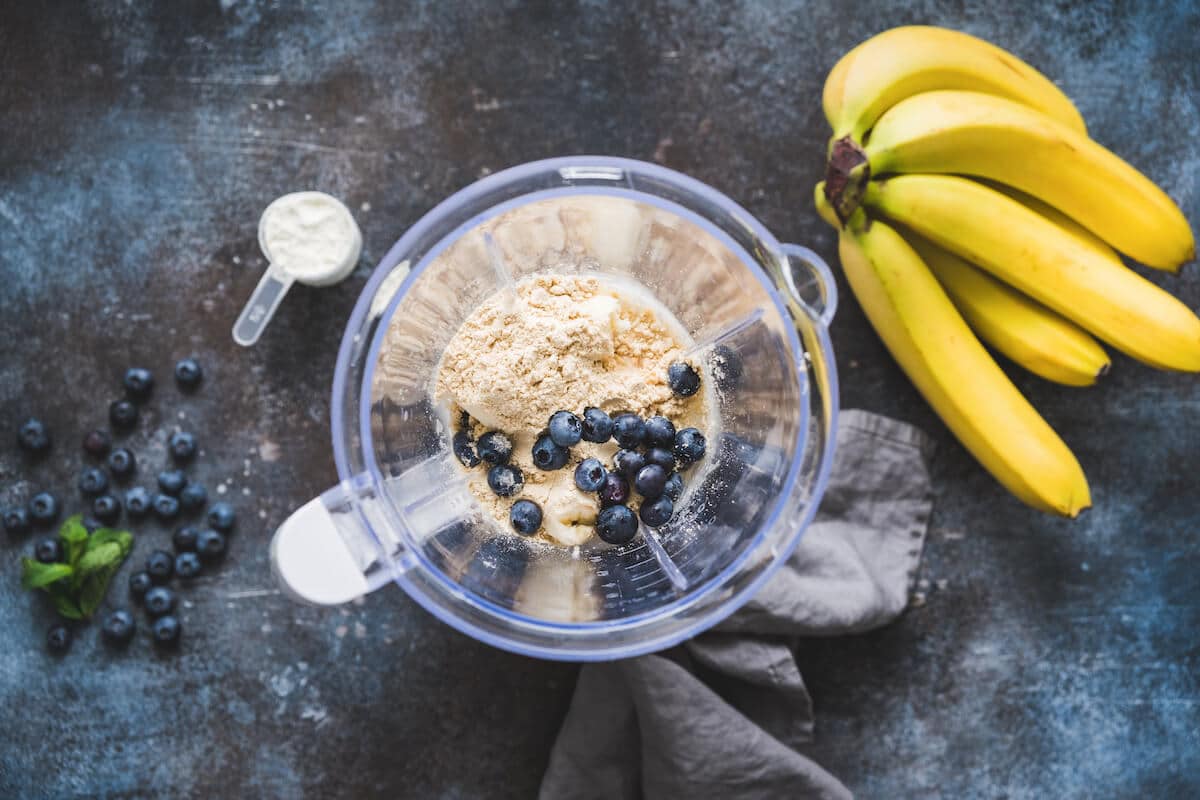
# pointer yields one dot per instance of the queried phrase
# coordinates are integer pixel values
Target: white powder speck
(282, 684)
(270, 105)
(360, 631)
(221, 489)
(365, 206)
(279, 102)
(254, 106)
(266, 627)
(237, 259)
(246, 491)
(308, 117)
(340, 631)
(182, 415)
(360, 120)
(262, 514)
(315, 713)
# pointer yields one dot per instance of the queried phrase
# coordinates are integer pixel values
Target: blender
(757, 313)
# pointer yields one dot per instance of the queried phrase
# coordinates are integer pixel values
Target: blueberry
(160, 566)
(187, 565)
(565, 429)
(674, 487)
(182, 446)
(58, 638)
(165, 506)
(172, 481)
(43, 508)
(138, 502)
(464, 449)
(629, 430)
(139, 383)
(505, 479)
(16, 522)
(683, 380)
(159, 600)
(188, 373)
(657, 513)
(615, 490)
(33, 437)
(93, 481)
(660, 432)
(118, 627)
(210, 544)
(48, 551)
(651, 481)
(664, 458)
(597, 426)
(590, 475)
(107, 509)
(139, 584)
(495, 447)
(548, 456)
(628, 463)
(526, 517)
(91, 524)
(185, 538)
(121, 463)
(689, 445)
(193, 498)
(221, 517)
(123, 415)
(97, 443)
(166, 631)
(616, 525)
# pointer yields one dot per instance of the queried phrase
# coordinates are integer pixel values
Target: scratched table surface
(139, 143)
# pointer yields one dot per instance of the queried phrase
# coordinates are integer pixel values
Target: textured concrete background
(138, 145)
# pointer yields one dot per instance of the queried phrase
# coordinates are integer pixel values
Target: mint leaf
(35, 574)
(74, 538)
(103, 536)
(95, 586)
(64, 604)
(77, 588)
(98, 558)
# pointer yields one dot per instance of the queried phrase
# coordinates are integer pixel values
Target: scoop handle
(261, 306)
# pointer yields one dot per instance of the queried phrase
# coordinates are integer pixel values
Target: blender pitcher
(757, 312)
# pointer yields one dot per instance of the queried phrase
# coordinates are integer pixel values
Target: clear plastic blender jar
(758, 313)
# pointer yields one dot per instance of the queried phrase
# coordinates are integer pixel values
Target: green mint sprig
(78, 585)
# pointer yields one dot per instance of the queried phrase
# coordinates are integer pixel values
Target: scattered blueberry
(615, 490)
(590, 474)
(33, 437)
(107, 509)
(91, 524)
(187, 565)
(58, 638)
(16, 522)
(660, 432)
(48, 551)
(657, 513)
(526, 517)
(93, 481)
(683, 380)
(664, 458)
(464, 449)
(165, 506)
(123, 415)
(616, 525)
(505, 479)
(193, 498)
(118, 627)
(138, 502)
(674, 487)
(97, 443)
(43, 508)
(689, 445)
(628, 463)
(210, 544)
(221, 517)
(166, 631)
(139, 584)
(121, 463)
(188, 373)
(182, 446)
(597, 426)
(495, 447)
(159, 600)
(549, 456)
(565, 429)
(172, 481)
(138, 383)
(651, 481)
(629, 430)
(160, 566)
(185, 538)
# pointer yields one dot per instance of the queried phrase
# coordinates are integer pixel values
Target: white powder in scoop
(310, 236)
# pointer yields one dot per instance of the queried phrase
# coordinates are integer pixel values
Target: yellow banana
(970, 133)
(901, 62)
(935, 348)
(1031, 253)
(1058, 218)
(1022, 329)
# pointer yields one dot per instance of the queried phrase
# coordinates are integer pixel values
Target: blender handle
(809, 282)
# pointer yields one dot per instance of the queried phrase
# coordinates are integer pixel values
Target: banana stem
(846, 176)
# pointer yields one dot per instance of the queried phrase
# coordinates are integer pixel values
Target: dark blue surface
(138, 146)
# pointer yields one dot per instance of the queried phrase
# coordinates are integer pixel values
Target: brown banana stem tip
(846, 176)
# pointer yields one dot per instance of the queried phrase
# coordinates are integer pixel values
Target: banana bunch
(972, 208)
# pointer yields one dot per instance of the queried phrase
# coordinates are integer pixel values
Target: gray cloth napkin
(719, 716)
